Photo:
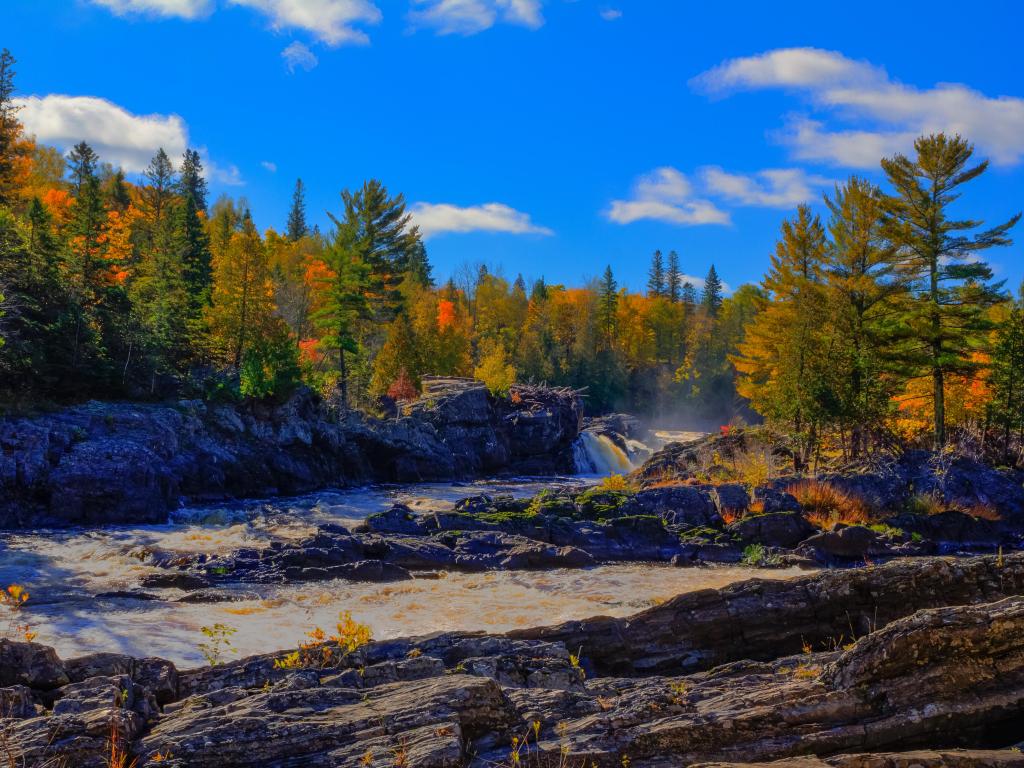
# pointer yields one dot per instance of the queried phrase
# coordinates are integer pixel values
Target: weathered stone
(775, 529)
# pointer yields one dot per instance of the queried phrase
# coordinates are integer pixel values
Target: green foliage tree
(951, 290)
(711, 297)
(673, 277)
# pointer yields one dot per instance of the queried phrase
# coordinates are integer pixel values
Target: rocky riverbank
(108, 463)
(915, 662)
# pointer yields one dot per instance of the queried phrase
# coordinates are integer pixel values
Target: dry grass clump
(825, 506)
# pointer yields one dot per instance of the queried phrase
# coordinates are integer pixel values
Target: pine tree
(342, 301)
(607, 308)
(192, 184)
(297, 227)
(419, 266)
(656, 276)
(116, 192)
(688, 295)
(539, 292)
(82, 163)
(380, 238)
(1007, 376)
(951, 285)
(158, 194)
(673, 277)
(860, 275)
(711, 297)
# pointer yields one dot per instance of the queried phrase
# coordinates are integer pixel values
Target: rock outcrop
(103, 463)
(936, 680)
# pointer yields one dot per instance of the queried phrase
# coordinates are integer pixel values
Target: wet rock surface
(104, 463)
(754, 673)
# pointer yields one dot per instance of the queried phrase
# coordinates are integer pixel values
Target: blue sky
(548, 137)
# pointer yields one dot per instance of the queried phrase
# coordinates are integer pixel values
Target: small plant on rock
(13, 599)
(217, 644)
(321, 651)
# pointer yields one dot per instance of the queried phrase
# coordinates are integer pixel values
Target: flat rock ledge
(914, 663)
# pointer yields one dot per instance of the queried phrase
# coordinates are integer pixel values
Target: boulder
(775, 529)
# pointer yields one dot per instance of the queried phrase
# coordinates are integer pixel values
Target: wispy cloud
(438, 218)
(699, 282)
(184, 9)
(882, 115)
(118, 136)
(334, 22)
(468, 17)
(610, 14)
(330, 21)
(298, 56)
(666, 195)
(769, 188)
(269, 166)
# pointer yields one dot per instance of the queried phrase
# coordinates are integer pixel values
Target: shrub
(321, 651)
(825, 506)
(13, 599)
(218, 643)
(757, 555)
(617, 483)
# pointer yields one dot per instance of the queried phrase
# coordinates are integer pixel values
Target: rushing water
(72, 574)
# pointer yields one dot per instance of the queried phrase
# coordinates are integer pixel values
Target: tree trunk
(342, 378)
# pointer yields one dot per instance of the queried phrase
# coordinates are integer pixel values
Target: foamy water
(65, 572)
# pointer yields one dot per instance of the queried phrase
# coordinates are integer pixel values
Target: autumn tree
(781, 364)
(939, 257)
(1007, 376)
(242, 294)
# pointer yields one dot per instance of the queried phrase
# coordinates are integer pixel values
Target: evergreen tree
(191, 246)
(297, 227)
(342, 299)
(192, 184)
(82, 162)
(539, 292)
(688, 295)
(673, 277)
(656, 276)
(1007, 376)
(380, 238)
(116, 192)
(947, 316)
(607, 308)
(863, 287)
(158, 194)
(419, 266)
(711, 297)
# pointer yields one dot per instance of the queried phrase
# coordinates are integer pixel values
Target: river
(74, 576)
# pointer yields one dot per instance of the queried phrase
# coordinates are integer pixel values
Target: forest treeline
(881, 322)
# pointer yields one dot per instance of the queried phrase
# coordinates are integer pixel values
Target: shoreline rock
(940, 667)
(109, 463)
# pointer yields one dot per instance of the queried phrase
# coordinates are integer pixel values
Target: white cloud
(787, 67)
(228, 175)
(438, 218)
(118, 136)
(610, 14)
(298, 56)
(698, 283)
(269, 166)
(331, 21)
(185, 9)
(770, 188)
(887, 115)
(467, 17)
(666, 195)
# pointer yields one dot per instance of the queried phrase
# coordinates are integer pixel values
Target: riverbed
(85, 593)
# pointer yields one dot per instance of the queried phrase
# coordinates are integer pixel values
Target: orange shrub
(825, 506)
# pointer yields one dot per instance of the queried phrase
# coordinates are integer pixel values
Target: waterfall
(598, 454)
